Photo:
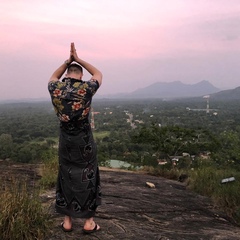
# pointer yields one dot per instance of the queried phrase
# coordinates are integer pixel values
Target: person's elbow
(98, 76)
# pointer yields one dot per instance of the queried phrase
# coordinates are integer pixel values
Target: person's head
(74, 71)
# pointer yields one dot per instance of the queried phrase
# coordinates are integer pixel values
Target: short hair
(74, 65)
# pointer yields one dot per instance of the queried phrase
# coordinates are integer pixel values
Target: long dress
(78, 191)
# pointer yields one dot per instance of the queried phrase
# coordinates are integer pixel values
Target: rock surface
(130, 210)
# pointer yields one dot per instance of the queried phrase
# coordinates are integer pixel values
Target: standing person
(78, 192)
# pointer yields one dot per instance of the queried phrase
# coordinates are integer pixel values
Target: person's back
(78, 191)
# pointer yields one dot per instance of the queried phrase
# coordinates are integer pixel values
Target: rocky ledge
(132, 210)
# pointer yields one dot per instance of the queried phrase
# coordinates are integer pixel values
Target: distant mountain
(231, 94)
(171, 90)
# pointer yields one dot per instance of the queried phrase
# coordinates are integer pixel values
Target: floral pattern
(76, 106)
(72, 98)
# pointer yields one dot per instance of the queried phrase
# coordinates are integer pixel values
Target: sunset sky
(134, 43)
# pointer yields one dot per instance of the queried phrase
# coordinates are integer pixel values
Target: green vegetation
(101, 135)
(165, 171)
(27, 131)
(21, 213)
(207, 180)
(49, 171)
(164, 137)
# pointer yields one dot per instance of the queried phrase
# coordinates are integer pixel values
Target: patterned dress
(78, 191)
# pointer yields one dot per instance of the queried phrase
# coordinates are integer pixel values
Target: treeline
(28, 131)
(137, 131)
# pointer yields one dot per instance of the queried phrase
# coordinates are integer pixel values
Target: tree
(174, 140)
(229, 152)
(6, 145)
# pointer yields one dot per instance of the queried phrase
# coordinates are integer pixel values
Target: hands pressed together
(96, 74)
(73, 54)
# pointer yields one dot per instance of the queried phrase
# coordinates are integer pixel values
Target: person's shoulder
(55, 84)
(93, 81)
(91, 85)
(53, 81)
(51, 84)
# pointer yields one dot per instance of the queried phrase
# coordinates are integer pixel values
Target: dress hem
(85, 214)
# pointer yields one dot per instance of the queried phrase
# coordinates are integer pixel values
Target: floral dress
(78, 191)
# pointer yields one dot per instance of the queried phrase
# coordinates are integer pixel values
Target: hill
(170, 90)
(231, 94)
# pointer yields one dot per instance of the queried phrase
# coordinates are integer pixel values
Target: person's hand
(73, 52)
(70, 59)
(72, 49)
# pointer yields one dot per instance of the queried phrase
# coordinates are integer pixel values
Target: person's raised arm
(96, 74)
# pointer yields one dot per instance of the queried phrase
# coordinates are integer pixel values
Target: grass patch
(21, 214)
(49, 172)
(207, 181)
(101, 135)
(165, 171)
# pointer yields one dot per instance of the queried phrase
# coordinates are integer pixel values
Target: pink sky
(134, 43)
